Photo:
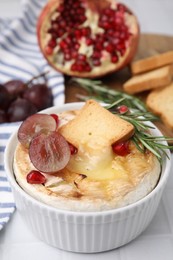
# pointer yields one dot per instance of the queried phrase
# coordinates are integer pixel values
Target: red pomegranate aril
(96, 62)
(110, 32)
(78, 33)
(73, 149)
(35, 177)
(62, 24)
(109, 48)
(104, 18)
(82, 19)
(56, 117)
(63, 44)
(121, 149)
(80, 10)
(55, 26)
(48, 50)
(60, 8)
(99, 46)
(121, 8)
(123, 109)
(114, 59)
(109, 12)
(74, 54)
(96, 55)
(67, 56)
(52, 43)
(105, 25)
(86, 31)
(82, 57)
(77, 46)
(88, 68)
(89, 41)
(74, 67)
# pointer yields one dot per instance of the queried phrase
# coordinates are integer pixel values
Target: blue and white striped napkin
(20, 58)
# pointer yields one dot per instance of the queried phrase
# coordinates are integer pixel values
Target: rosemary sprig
(107, 95)
(137, 115)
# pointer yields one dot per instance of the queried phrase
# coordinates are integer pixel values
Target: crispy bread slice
(149, 80)
(160, 102)
(151, 63)
(96, 127)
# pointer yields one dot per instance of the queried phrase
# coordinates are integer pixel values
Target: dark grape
(4, 98)
(49, 152)
(20, 109)
(34, 124)
(3, 116)
(40, 95)
(15, 88)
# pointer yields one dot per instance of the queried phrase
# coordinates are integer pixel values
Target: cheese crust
(92, 181)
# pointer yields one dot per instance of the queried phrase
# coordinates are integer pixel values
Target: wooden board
(149, 45)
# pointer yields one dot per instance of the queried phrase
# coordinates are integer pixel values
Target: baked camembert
(95, 178)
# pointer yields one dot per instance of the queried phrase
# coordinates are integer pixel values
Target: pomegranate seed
(80, 10)
(96, 62)
(114, 59)
(67, 56)
(74, 54)
(74, 67)
(63, 44)
(78, 34)
(35, 177)
(55, 26)
(73, 149)
(121, 148)
(62, 24)
(89, 41)
(123, 109)
(82, 18)
(88, 68)
(86, 31)
(48, 50)
(109, 48)
(52, 43)
(121, 8)
(118, 20)
(99, 46)
(110, 32)
(82, 57)
(109, 12)
(55, 116)
(120, 46)
(104, 18)
(96, 55)
(105, 25)
(60, 8)
(77, 46)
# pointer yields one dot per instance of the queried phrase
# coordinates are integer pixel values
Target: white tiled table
(16, 240)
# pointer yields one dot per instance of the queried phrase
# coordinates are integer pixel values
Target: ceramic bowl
(86, 232)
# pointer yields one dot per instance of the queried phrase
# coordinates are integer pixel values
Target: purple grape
(20, 109)
(4, 98)
(15, 88)
(39, 95)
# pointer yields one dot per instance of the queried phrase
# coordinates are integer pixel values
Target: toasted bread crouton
(149, 80)
(160, 102)
(96, 126)
(150, 63)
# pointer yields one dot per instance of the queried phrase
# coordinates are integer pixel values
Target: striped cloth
(20, 58)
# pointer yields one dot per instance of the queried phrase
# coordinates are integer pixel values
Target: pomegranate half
(87, 38)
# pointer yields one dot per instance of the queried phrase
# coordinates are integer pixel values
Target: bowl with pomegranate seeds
(83, 178)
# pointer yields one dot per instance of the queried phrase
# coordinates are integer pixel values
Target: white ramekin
(85, 232)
